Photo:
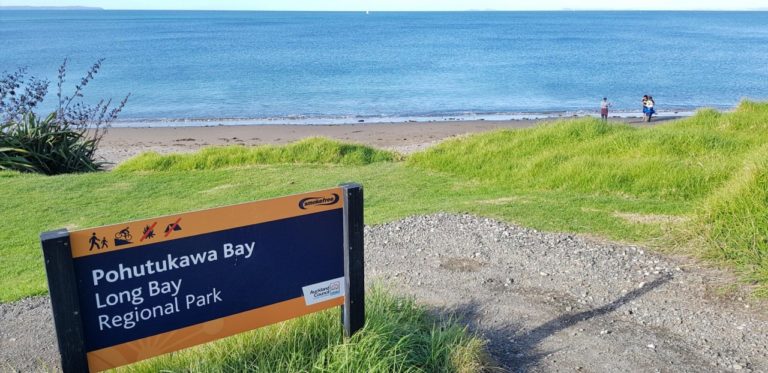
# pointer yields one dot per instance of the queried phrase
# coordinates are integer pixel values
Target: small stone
(604, 332)
(651, 346)
(737, 367)
(543, 274)
(641, 285)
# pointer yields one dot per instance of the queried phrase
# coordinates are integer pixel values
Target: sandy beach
(122, 143)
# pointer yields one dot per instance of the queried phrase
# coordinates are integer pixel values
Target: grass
(307, 151)
(399, 336)
(704, 176)
(679, 161)
(733, 221)
(85, 200)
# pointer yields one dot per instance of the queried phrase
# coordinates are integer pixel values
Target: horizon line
(75, 7)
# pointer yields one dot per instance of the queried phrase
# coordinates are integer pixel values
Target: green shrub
(46, 146)
(308, 151)
(13, 159)
(63, 142)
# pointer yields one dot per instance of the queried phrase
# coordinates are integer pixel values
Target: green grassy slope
(310, 150)
(680, 160)
(704, 176)
(37, 203)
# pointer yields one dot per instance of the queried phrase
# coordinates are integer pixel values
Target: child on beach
(604, 105)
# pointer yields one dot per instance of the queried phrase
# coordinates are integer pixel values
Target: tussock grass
(681, 160)
(316, 150)
(733, 221)
(399, 336)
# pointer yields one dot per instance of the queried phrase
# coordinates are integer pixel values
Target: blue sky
(403, 4)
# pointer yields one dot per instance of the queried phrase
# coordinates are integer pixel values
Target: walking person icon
(104, 243)
(94, 242)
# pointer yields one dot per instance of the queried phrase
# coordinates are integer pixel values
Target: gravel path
(546, 302)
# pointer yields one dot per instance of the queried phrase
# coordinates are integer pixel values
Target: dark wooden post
(353, 310)
(62, 287)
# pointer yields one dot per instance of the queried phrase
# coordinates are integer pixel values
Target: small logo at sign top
(318, 201)
(323, 291)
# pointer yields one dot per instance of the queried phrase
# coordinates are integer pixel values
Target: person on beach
(604, 105)
(645, 108)
(649, 103)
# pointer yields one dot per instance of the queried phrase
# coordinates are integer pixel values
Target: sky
(407, 5)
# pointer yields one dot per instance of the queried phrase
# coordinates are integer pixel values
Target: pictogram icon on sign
(149, 232)
(123, 237)
(94, 241)
(173, 227)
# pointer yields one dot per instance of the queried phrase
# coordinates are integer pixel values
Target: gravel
(546, 302)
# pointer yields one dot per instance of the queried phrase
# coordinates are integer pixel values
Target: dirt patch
(504, 200)
(651, 218)
(218, 188)
(461, 265)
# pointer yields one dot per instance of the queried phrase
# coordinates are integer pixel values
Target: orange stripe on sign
(140, 349)
(129, 235)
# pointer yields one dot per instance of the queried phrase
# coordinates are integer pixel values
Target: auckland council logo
(323, 291)
(318, 201)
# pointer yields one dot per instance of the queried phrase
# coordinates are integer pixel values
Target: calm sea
(325, 67)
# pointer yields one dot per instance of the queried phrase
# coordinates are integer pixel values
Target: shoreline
(121, 143)
(314, 120)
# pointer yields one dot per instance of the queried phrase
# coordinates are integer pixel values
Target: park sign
(130, 291)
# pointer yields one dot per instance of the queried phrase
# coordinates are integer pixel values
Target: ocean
(336, 67)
